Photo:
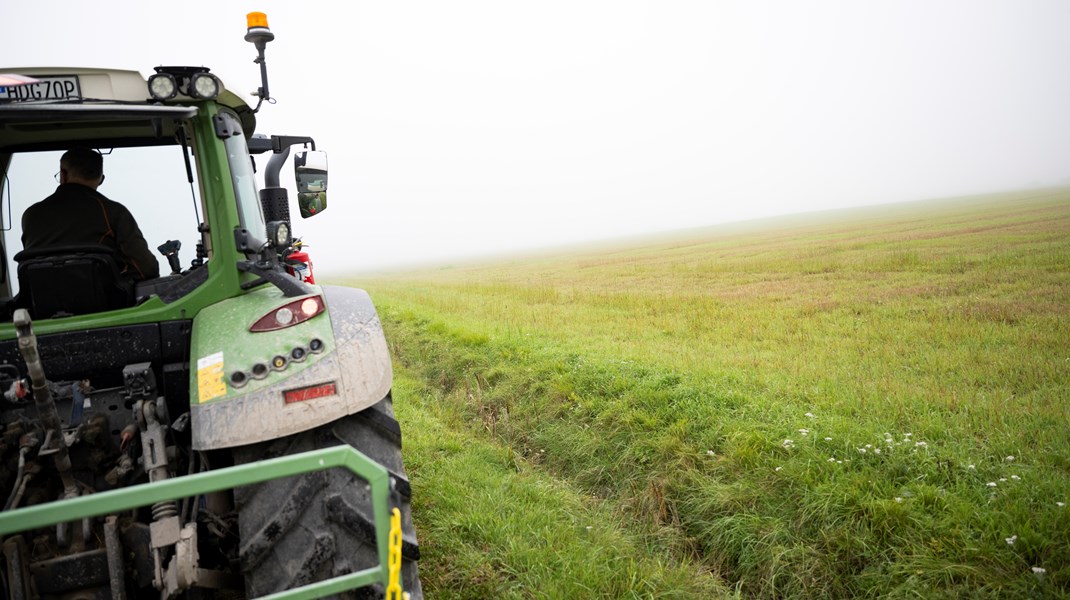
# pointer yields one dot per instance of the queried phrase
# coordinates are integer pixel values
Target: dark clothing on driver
(76, 214)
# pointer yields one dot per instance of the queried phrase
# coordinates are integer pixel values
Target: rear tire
(311, 527)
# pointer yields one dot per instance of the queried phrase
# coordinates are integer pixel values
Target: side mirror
(310, 171)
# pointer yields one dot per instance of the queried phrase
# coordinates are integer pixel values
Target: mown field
(864, 403)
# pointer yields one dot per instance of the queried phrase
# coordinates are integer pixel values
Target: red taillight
(290, 314)
(308, 393)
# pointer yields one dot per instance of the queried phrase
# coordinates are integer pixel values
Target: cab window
(150, 181)
(244, 179)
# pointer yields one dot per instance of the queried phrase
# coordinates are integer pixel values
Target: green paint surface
(224, 327)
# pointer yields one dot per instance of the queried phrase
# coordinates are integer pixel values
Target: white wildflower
(972, 467)
(869, 445)
(828, 439)
(876, 450)
(861, 450)
(778, 468)
(907, 434)
(1003, 480)
(1010, 459)
(991, 484)
(832, 459)
(1039, 570)
(1010, 541)
(709, 453)
(1060, 504)
(920, 444)
(804, 432)
(1015, 477)
(839, 462)
(789, 444)
(898, 499)
(811, 415)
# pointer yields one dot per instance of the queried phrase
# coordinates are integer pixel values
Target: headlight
(204, 86)
(162, 86)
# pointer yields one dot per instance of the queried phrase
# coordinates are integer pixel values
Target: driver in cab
(78, 214)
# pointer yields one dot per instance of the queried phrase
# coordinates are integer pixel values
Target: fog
(475, 129)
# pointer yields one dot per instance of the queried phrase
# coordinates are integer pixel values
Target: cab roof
(111, 109)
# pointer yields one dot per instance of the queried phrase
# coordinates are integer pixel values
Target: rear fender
(355, 361)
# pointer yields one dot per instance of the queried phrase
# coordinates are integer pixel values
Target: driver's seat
(61, 281)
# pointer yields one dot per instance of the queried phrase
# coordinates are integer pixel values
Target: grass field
(865, 403)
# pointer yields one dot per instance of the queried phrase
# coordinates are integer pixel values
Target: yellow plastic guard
(393, 589)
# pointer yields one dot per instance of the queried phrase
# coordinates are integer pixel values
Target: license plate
(63, 87)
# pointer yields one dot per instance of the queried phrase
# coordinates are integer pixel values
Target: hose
(18, 479)
(22, 489)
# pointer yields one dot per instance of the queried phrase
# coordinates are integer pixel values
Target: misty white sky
(476, 128)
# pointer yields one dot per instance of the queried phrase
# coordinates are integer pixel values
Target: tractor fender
(357, 364)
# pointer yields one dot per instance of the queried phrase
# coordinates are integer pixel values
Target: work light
(162, 86)
(204, 86)
(279, 234)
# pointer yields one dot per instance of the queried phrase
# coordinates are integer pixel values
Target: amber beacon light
(256, 20)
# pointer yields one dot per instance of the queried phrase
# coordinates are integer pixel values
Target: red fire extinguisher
(299, 264)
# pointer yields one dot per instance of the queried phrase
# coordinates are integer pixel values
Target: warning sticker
(210, 378)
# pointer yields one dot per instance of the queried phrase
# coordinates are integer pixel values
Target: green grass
(907, 352)
(493, 525)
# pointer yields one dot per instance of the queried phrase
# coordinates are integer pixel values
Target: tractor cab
(176, 153)
(150, 167)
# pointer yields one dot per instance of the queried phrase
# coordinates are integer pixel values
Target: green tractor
(225, 429)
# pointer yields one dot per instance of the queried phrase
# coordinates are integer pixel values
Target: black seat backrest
(71, 280)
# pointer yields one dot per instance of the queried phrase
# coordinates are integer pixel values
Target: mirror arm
(278, 142)
(260, 144)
